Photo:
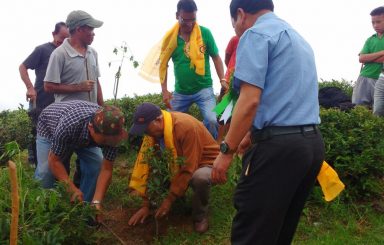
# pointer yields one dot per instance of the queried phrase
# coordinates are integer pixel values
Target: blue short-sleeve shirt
(274, 57)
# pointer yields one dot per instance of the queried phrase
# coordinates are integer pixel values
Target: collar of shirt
(71, 51)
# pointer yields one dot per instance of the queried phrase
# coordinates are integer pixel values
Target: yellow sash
(329, 181)
(140, 171)
(195, 52)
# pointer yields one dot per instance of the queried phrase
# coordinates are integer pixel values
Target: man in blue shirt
(276, 115)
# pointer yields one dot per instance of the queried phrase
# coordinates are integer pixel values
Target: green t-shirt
(186, 80)
(372, 45)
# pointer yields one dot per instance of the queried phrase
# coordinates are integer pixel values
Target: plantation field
(354, 147)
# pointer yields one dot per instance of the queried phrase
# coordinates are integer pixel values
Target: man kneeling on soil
(82, 127)
(186, 137)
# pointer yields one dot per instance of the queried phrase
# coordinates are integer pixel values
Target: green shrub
(355, 147)
(128, 106)
(14, 126)
(46, 216)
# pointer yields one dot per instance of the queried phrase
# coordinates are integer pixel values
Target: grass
(335, 222)
(331, 223)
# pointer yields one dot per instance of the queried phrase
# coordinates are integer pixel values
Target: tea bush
(46, 216)
(352, 139)
(14, 126)
(355, 147)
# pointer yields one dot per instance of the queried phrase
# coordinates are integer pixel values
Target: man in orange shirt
(188, 138)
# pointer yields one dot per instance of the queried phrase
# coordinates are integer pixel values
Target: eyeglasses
(186, 21)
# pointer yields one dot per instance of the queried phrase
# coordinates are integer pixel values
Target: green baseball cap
(109, 120)
(81, 18)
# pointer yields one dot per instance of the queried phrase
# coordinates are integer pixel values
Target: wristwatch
(225, 149)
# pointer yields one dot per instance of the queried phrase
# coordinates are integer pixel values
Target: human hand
(167, 97)
(86, 85)
(220, 168)
(244, 144)
(164, 208)
(224, 84)
(139, 216)
(99, 214)
(31, 94)
(76, 194)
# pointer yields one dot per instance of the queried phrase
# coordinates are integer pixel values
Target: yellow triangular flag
(329, 181)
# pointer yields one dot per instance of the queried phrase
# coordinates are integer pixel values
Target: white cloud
(335, 29)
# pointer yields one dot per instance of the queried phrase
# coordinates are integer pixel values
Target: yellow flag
(329, 181)
(150, 68)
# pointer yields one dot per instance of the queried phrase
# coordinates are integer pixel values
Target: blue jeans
(90, 158)
(205, 100)
(378, 102)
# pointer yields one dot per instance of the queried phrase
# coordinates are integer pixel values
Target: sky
(336, 30)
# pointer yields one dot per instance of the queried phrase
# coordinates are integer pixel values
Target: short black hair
(250, 6)
(58, 27)
(377, 11)
(188, 6)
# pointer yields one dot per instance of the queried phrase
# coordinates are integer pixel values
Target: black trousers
(277, 177)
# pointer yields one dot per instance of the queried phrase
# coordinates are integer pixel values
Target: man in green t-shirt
(372, 56)
(193, 81)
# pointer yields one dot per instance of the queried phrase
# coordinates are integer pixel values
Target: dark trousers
(271, 194)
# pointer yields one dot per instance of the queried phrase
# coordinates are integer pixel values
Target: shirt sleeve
(252, 59)
(366, 47)
(54, 69)
(211, 48)
(60, 141)
(32, 61)
(110, 153)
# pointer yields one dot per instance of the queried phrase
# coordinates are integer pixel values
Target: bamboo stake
(15, 203)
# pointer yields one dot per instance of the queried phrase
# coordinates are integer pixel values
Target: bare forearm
(219, 67)
(64, 88)
(61, 88)
(25, 77)
(373, 57)
(243, 115)
(58, 170)
(164, 84)
(100, 100)
(379, 60)
(103, 181)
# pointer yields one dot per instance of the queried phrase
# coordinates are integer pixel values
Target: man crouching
(186, 137)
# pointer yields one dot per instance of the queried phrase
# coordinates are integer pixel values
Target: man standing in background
(190, 46)
(73, 69)
(38, 98)
(372, 57)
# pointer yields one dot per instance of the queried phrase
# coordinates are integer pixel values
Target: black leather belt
(269, 132)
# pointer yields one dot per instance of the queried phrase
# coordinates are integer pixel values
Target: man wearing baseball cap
(93, 132)
(185, 137)
(73, 69)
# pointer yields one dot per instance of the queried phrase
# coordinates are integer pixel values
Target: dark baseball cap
(143, 116)
(81, 18)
